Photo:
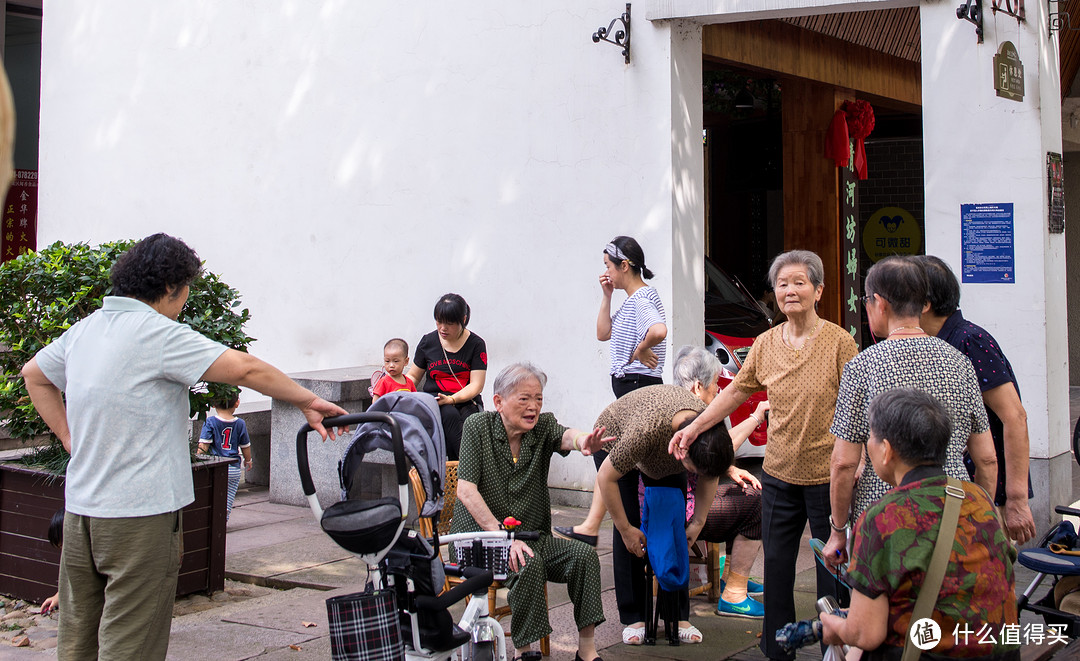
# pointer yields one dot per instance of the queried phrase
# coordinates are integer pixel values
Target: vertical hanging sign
(19, 233)
(849, 211)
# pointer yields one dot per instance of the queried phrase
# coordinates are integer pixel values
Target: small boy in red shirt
(395, 360)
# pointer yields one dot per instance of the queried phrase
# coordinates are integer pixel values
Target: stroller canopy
(421, 430)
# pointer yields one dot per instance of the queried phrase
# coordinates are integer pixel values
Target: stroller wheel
(482, 651)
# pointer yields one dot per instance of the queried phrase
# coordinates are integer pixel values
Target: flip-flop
(689, 635)
(633, 635)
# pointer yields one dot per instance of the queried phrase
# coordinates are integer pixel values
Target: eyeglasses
(868, 299)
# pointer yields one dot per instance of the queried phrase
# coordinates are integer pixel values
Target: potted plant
(43, 294)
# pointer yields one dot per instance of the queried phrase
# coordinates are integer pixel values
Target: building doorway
(766, 115)
(743, 172)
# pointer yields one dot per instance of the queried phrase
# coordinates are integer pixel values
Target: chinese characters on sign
(1008, 73)
(986, 236)
(20, 216)
(891, 231)
(849, 211)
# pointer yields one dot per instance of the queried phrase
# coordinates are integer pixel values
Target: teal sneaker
(745, 608)
(753, 588)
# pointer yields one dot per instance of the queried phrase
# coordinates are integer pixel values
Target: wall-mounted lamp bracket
(1014, 8)
(971, 11)
(622, 37)
(1059, 21)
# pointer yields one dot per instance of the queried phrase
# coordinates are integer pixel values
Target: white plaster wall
(688, 193)
(983, 148)
(343, 164)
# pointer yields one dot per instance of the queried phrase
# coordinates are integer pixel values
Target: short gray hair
(815, 270)
(695, 365)
(514, 375)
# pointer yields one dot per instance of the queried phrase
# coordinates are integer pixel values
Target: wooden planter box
(30, 566)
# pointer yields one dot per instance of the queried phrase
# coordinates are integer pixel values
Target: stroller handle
(304, 467)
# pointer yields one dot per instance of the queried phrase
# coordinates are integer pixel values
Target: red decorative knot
(860, 118)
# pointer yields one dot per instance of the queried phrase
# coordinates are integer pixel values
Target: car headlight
(730, 359)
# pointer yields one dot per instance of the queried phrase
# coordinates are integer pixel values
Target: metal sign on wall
(20, 216)
(1008, 73)
(1055, 181)
(986, 241)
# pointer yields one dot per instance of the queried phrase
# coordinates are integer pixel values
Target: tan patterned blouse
(802, 392)
(640, 421)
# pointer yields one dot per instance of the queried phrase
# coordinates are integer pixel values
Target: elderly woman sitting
(894, 541)
(503, 471)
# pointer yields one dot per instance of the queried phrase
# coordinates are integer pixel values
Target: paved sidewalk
(282, 546)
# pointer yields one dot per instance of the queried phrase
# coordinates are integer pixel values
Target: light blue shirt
(126, 370)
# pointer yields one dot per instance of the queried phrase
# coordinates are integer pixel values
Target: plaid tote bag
(364, 626)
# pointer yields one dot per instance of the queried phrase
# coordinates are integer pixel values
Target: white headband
(614, 251)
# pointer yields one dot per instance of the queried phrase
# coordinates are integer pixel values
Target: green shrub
(43, 293)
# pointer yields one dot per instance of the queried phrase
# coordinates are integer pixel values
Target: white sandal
(633, 635)
(689, 635)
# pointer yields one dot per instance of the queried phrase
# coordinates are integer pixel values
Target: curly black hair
(150, 267)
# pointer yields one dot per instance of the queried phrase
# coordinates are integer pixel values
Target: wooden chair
(710, 557)
(449, 498)
(445, 518)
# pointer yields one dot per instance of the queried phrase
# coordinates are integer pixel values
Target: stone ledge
(257, 417)
(346, 387)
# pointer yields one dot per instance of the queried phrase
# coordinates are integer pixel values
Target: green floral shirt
(892, 549)
(509, 489)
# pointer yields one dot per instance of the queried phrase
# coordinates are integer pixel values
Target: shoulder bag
(935, 573)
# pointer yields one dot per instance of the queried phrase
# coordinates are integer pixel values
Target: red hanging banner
(20, 216)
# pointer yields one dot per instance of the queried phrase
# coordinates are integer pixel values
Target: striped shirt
(628, 328)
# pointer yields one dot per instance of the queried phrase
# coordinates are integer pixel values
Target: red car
(733, 318)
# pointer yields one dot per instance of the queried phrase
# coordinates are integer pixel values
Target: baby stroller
(401, 613)
(1057, 555)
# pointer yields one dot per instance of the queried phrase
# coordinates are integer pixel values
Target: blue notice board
(987, 242)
